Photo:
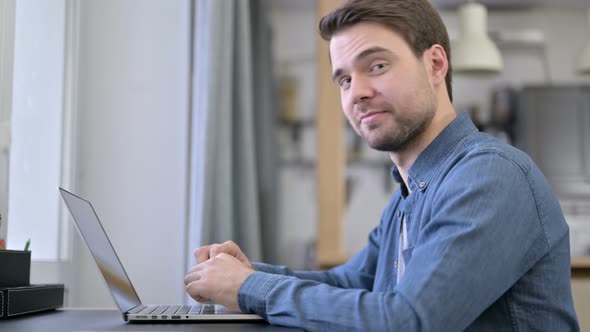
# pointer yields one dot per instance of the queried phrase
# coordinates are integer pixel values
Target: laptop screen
(100, 246)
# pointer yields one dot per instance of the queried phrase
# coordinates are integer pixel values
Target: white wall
(133, 141)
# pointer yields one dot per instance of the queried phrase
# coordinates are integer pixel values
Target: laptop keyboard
(170, 310)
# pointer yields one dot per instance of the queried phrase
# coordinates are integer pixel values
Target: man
(474, 239)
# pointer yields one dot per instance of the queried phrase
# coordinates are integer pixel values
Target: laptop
(118, 282)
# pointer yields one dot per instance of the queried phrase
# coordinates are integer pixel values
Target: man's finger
(202, 253)
(228, 247)
(196, 268)
(201, 299)
(225, 257)
(190, 277)
(194, 290)
(219, 249)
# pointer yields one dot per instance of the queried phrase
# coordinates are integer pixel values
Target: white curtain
(234, 151)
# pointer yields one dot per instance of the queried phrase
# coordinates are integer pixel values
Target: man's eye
(343, 82)
(378, 66)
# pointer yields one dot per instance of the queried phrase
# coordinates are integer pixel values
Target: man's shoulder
(482, 146)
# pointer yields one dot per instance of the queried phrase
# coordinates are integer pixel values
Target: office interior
(102, 98)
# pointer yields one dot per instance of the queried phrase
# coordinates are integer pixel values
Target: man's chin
(383, 145)
(386, 143)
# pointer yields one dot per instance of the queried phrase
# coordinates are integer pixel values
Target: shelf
(581, 267)
(326, 263)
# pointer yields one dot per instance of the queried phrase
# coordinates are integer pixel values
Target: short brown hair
(415, 20)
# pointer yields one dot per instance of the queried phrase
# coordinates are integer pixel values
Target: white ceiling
(507, 4)
(445, 4)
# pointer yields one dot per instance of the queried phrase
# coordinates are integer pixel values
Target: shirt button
(399, 214)
(422, 184)
(395, 263)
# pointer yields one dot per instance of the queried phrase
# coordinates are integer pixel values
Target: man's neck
(405, 158)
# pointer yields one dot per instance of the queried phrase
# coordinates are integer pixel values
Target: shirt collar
(423, 169)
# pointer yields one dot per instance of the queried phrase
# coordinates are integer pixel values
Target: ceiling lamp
(475, 52)
(584, 60)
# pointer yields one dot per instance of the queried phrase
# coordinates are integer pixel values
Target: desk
(111, 320)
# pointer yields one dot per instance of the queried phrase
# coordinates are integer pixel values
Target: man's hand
(229, 247)
(219, 279)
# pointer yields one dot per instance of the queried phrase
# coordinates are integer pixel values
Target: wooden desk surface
(110, 320)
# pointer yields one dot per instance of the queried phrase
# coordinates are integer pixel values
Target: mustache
(366, 107)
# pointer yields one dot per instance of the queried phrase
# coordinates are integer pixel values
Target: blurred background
(192, 122)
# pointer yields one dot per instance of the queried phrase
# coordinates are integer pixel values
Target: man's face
(385, 90)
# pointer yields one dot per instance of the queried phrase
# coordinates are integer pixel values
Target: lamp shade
(584, 60)
(475, 52)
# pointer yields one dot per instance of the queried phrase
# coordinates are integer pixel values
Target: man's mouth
(372, 116)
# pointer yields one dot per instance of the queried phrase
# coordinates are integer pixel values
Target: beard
(384, 138)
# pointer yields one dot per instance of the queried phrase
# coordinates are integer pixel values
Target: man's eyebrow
(361, 56)
(370, 51)
(336, 73)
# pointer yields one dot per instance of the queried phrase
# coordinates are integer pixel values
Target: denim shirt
(488, 250)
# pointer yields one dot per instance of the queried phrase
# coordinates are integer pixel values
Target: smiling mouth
(371, 117)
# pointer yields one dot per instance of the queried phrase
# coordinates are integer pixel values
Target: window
(38, 108)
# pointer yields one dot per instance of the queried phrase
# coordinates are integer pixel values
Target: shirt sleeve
(314, 306)
(483, 235)
(358, 272)
(336, 300)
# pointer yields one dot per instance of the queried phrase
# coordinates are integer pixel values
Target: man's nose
(361, 90)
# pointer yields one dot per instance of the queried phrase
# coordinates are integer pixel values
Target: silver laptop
(116, 278)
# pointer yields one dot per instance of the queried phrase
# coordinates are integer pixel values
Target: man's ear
(438, 63)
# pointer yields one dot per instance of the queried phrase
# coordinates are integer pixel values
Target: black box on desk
(15, 267)
(16, 301)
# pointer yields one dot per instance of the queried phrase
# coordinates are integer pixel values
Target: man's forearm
(344, 276)
(284, 300)
(319, 276)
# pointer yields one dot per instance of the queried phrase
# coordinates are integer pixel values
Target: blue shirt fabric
(488, 250)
